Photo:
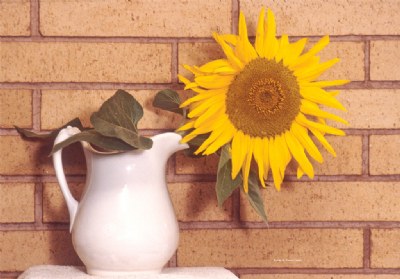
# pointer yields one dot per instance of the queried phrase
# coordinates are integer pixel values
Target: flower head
(263, 100)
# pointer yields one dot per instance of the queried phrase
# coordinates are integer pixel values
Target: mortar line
(138, 39)
(36, 109)
(173, 85)
(38, 204)
(174, 63)
(177, 178)
(89, 85)
(288, 225)
(235, 16)
(367, 248)
(34, 21)
(367, 61)
(151, 132)
(365, 155)
(220, 225)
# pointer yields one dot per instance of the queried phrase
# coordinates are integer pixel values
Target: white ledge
(63, 272)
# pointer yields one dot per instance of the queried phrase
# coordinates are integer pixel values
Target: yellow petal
(310, 108)
(325, 83)
(313, 73)
(276, 161)
(298, 153)
(282, 49)
(233, 60)
(321, 44)
(244, 50)
(320, 96)
(214, 81)
(239, 147)
(246, 167)
(258, 152)
(265, 143)
(301, 135)
(323, 141)
(213, 115)
(186, 126)
(230, 38)
(293, 52)
(213, 136)
(225, 137)
(259, 43)
(300, 173)
(202, 96)
(270, 41)
(301, 119)
(205, 105)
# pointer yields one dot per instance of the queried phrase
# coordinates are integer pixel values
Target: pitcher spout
(167, 144)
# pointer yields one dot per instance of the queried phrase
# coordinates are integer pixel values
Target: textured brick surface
(84, 62)
(384, 59)
(22, 249)
(197, 165)
(315, 17)
(21, 157)
(348, 158)
(328, 201)
(351, 65)
(370, 108)
(385, 248)
(327, 248)
(60, 106)
(198, 202)
(319, 276)
(17, 202)
(15, 18)
(15, 108)
(135, 18)
(54, 206)
(384, 154)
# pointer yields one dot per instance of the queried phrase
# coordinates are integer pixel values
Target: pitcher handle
(72, 203)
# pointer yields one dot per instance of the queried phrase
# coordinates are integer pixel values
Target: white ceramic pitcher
(125, 222)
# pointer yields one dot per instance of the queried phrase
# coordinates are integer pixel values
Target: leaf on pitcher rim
(52, 135)
(96, 139)
(118, 118)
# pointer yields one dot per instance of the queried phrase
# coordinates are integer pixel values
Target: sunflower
(264, 101)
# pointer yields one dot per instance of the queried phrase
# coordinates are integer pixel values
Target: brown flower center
(264, 98)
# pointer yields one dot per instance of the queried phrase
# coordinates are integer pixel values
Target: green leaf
(254, 196)
(168, 100)
(225, 185)
(95, 138)
(52, 135)
(118, 117)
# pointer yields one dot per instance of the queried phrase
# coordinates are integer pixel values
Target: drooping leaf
(52, 135)
(118, 117)
(168, 100)
(225, 185)
(254, 196)
(95, 138)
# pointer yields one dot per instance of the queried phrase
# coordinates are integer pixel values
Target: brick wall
(61, 59)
